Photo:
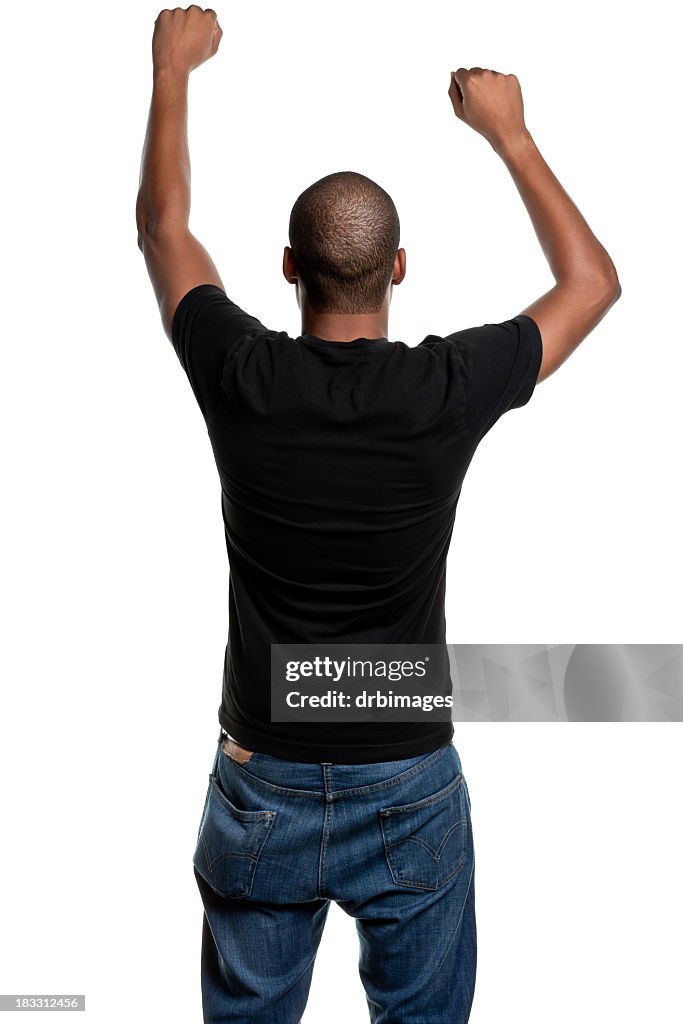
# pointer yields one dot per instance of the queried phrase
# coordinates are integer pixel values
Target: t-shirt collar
(356, 344)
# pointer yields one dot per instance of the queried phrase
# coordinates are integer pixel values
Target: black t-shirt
(340, 465)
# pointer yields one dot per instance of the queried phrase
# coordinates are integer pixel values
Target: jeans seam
(373, 787)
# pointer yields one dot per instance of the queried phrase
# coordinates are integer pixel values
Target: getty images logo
(360, 682)
(330, 668)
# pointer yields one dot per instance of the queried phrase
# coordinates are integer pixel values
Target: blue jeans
(390, 843)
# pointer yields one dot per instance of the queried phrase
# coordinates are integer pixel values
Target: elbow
(602, 288)
(145, 221)
(606, 296)
(157, 221)
(607, 292)
(142, 237)
(141, 221)
(597, 281)
(612, 294)
(610, 284)
(613, 286)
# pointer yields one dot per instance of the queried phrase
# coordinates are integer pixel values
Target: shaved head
(344, 232)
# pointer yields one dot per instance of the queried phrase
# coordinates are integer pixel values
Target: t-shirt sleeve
(207, 327)
(500, 364)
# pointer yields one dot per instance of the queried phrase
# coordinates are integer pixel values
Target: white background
(113, 560)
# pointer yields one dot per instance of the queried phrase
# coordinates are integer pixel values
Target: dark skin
(342, 326)
(489, 102)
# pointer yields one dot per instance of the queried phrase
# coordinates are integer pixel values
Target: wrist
(166, 72)
(515, 145)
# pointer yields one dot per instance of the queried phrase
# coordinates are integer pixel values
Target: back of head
(344, 232)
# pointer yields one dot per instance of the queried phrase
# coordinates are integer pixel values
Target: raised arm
(176, 261)
(586, 282)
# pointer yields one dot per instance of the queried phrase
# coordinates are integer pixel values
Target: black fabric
(341, 465)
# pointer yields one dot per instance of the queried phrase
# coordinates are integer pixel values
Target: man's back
(341, 465)
(341, 457)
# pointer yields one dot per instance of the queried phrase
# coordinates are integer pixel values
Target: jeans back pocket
(425, 842)
(229, 843)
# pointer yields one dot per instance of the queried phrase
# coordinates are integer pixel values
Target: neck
(345, 326)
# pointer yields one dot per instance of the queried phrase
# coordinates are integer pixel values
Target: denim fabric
(390, 842)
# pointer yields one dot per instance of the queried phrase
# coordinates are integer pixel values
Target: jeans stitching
(427, 801)
(385, 814)
(263, 819)
(399, 880)
(374, 787)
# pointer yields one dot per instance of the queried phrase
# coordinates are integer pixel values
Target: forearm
(572, 250)
(164, 191)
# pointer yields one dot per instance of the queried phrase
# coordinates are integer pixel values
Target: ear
(399, 266)
(289, 266)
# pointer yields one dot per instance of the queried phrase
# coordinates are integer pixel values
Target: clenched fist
(184, 39)
(489, 102)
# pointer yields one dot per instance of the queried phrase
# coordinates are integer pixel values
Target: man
(341, 457)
